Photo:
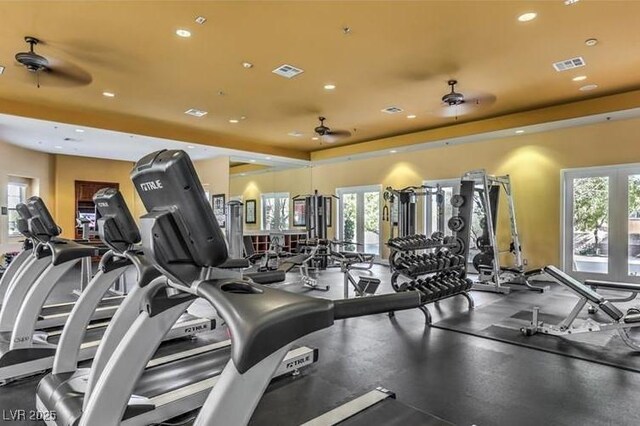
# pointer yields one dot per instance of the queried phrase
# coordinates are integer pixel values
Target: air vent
(287, 71)
(392, 110)
(196, 112)
(569, 64)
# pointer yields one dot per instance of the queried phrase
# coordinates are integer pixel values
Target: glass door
(359, 218)
(601, 220)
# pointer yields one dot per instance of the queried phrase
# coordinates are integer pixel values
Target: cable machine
(401, 210)
(493, 276)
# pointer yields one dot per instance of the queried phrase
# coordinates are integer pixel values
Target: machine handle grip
(348, 308)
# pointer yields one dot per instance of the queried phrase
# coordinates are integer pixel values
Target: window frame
(24, 194)
(278, 197)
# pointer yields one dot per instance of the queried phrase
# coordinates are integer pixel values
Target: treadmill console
(41, 223)
(180, 232)
(117, 228)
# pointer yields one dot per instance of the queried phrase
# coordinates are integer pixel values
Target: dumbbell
(435, 290)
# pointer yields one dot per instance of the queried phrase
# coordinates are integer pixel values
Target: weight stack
(465, 211)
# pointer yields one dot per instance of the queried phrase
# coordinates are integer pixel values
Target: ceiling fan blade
(67, 74)
(340, 133)
(329, 138)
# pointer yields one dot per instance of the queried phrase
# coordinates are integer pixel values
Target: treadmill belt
(391, 412)
(65, 309)
(91, 335)
(175, 375)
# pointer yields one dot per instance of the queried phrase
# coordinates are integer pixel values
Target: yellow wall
(214, 175)
(68, 169)
(293, 181)
(38, 166)
(533, 161)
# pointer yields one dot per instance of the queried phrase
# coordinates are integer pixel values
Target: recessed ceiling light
(570, 2)
(190, 146)
(315, 138)
(252, 160)
(267, 158)
(519, 131)
(247, 65)
(109, 94)
(201, 20)
(1, 70)
(295, 133)
(196, 112)
(243, 118)
(411, 116)
(526, 17)
(591, 42)
(234, 121)
(183, 33)
(329, 86)
(243, 174)
(79, 130)
(57, 147)
(588, 87)
(579, 78)
(393, 151)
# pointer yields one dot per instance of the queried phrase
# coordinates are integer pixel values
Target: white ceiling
(60, 138)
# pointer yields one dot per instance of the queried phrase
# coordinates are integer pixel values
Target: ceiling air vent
(196, 112)
(569, 64)
(287, 71)
(392, 110)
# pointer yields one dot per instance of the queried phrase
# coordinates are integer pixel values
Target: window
(275, 211)
(16, 194)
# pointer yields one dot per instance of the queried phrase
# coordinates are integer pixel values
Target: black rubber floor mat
(503, 319)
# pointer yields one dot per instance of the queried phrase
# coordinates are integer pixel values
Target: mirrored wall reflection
(269, 197)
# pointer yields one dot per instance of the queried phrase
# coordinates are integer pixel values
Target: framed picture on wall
(250, 211)
(329, 211)
(218, 203)
(299, 212)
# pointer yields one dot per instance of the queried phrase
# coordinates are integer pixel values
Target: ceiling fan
(53, 72)
(455, 103)
(327, 135)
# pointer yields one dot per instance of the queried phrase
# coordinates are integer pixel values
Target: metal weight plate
(437, 235)
(456, 223)
(482, 259)
(458, 246)
(457, 200)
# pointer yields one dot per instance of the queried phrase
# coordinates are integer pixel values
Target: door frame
(618, 236)
(360, 189)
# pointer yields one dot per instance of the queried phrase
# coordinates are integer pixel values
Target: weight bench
(277, 275)
(588, 295)
(353, 257)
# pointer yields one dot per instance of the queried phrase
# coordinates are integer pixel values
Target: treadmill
(181, 237)
(25, 351)
(51, 315)
(169, 383)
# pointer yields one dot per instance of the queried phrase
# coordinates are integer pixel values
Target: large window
(275, 211)
(601, 229)
(16, 194)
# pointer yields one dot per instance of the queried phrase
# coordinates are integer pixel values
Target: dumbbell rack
(436, 266)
